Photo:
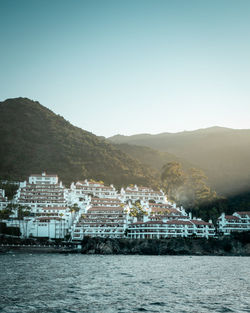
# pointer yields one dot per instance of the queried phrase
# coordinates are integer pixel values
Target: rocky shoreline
(234, 245)
(237, 244)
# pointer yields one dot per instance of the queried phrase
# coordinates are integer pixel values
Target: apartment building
(238, 222)
(135, 193)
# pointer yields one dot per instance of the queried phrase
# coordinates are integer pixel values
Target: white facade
(238, 222)
(171, 228)
(158, 211)
(48, 222)
(143, 194)
(41, 191)
(43, 179)
(103, 218)
(48, 227)
(3, 200)
(97, 189)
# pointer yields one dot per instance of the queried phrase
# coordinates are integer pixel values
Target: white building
(135, 193)
(103, 218)
(47, 222)
(158, 211)
(41, 191)
(47, 179)
(170, 228)
(48, 227)
(238, 222)
(3, 199)
(84, 188)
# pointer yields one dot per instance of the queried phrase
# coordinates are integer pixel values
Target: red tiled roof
(231, 217)
(160, 205)
(149, 222)
(105, 208)
(244, 213)
(105, 200)
(179, 222)
(45, 218)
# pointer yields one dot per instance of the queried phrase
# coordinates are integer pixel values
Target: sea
(73, 283)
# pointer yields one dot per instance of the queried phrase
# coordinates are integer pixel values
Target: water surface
(95, 283)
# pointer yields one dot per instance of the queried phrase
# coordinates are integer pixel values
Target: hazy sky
(130, 66)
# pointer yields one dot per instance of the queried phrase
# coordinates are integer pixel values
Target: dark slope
(151, 157)
(34, 139)
(223, 153)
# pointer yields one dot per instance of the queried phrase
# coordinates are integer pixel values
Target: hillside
(34, 139)
(222, 153)
(150, 157)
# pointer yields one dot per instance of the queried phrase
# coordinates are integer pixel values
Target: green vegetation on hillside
(34, 139)
(189, 188)
(150, 157)
(222, 153)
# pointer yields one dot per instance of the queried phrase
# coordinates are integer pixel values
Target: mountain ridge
(206, 129)
(33, 139)
(222, 153)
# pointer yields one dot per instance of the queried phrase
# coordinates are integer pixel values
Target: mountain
(155, 159)
(34, 139)
(222, 153)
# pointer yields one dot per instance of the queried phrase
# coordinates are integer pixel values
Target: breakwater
(234, 245)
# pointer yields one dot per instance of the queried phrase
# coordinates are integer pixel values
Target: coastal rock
(236, 244)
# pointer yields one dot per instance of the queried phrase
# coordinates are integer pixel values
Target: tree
(196, 190)
(173, 177)
(137, 211)
(5, 213)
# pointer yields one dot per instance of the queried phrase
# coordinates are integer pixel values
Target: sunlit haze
(130, 67)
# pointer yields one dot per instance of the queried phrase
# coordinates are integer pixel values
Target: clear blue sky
(130, 66)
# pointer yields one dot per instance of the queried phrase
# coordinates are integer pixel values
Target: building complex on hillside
(171, 228)
(103, 218)
(93, 188)
(166, 221)
(3, 200)
(89, 208)
(134, 193)
(238, 222)
(41, 191)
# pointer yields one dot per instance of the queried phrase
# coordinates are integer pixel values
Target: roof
(45, 218)
(170, 222)
(105, 200)
(200, 222)
(160, 205)
(179, 222)
(231, 217)
(106, 208)
(55, 208)
(148, 222)
(86, 187)
(139, 192)
(243, 213)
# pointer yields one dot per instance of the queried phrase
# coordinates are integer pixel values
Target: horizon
(130, 67)
(137, 134)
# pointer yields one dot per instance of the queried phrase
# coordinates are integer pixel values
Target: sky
(130, 66)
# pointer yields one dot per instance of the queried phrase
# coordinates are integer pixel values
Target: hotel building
(103, 218)
(41, 191)
(238, 222)
(145, 194)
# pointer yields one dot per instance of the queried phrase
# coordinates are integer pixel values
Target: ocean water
(95, 283)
